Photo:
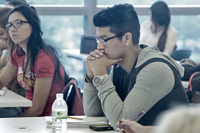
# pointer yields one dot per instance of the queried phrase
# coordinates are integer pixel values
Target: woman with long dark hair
(158, 31)
(35, 64)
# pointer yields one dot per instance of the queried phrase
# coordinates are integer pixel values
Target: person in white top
(157, 31)
(182, 119)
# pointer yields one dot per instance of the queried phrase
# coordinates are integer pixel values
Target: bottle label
(60, 114)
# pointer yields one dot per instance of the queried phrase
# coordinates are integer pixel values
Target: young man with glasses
(142, 79)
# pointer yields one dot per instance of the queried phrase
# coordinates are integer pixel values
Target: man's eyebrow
(103, 36)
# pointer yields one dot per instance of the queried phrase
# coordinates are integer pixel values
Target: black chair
(181, 54)
(88, 44)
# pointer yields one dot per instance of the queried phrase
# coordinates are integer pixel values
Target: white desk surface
(34, 125)
(75, 53)
(11, 99)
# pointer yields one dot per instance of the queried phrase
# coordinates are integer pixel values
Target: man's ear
(127, 39)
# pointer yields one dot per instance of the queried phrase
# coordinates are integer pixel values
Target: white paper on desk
(82, 123)
(2, 92)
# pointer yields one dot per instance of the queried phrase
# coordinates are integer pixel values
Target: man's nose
(100, 45)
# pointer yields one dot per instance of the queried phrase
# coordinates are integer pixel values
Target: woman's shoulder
(146, 23)
(145, 27)
(172, 30)
(5, 52)
(43, 55)
(18, 52)
(42, 52)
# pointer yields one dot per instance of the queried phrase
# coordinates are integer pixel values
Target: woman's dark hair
(4, 12)
(161, 16)
(121, 19)
(35, 42)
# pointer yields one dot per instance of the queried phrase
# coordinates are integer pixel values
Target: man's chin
(109, 57)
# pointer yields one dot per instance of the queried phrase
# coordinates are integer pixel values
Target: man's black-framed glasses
(103, 41)
(17, 23)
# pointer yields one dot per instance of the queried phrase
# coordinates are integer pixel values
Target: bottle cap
(59, 95)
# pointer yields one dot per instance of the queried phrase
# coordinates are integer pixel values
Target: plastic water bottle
(59, 115)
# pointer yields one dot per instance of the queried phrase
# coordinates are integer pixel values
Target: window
(147, 2)
(56, 2)
(188, 33)
(63, 32)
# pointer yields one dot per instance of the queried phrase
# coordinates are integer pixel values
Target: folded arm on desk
(91, 101)
(8, 74)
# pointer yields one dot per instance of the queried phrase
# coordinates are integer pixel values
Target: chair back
(71, 94)
(181, 54)
(195, 97)
(88, 44)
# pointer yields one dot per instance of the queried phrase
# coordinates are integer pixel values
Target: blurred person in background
(182, 119)
(157, 31)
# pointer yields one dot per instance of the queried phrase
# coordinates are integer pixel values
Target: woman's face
(3, 33)
(20, 29)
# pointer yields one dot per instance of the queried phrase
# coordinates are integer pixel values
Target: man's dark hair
(121, 19)
(16, 3)
(15, 0)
